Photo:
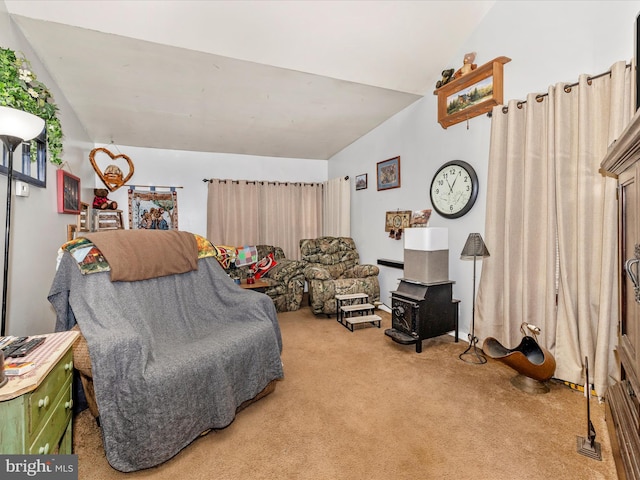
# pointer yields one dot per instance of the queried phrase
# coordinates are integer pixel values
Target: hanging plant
(20, 89)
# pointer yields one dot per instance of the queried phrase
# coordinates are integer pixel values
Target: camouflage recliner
(332, 267)
(286, 279)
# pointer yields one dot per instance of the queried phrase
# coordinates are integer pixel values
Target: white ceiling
(298, 79)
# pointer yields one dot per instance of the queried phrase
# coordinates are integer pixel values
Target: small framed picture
(389, 174)
(361, 181)
(68, 193)
(420, 218)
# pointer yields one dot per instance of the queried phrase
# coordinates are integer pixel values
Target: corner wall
(37, 230)
(548, 42)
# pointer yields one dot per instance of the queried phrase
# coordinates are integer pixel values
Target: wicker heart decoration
(112, 176)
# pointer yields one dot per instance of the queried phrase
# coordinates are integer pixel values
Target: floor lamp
(473, 248)
(16, 127)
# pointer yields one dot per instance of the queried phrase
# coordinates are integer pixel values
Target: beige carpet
(359, 406)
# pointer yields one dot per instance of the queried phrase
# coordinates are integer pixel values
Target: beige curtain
(337, 208)
(269, 213)
(551, 224)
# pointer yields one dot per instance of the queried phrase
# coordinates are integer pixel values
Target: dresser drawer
(48, 440)
(43, 400)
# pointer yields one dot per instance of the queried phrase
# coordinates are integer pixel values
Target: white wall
(548, 42)
(37, 230)
(188, 169)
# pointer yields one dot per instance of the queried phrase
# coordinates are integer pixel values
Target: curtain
(337, 208)
(551, 224)
(263, 213)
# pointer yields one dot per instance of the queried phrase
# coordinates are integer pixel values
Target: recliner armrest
(317, 273)
(361, 271)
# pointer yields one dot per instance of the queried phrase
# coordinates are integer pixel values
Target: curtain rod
(151, 186)
(567, 89)
(261, 182)
(206, 180)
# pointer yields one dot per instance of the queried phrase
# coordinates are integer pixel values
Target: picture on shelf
(473, 95)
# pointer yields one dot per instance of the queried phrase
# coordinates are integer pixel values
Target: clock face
(454, 189)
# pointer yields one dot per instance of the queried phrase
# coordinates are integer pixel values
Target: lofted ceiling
(297, 79)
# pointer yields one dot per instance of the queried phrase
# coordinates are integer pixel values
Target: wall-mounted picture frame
(397, 220)
(361, 181)
(68, 193)
(388, 173)
(473, 94)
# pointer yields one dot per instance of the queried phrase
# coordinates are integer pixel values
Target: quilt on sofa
(171, 356)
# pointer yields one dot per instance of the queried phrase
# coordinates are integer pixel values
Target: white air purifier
(426, 254)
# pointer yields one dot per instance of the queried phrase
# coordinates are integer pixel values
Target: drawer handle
(68, 404)
(44, 402)
(44, 450)
(68, 366)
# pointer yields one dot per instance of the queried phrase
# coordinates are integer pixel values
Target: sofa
(332, 267)
(170, 346)
(285, 279)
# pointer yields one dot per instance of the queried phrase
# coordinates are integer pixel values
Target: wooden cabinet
(36, 408)
(623, 407)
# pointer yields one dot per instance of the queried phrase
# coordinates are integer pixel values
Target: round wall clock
(454, 189)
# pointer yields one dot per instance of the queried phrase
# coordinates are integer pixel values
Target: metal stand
(588, 446)
(474, 356)
(11, 143)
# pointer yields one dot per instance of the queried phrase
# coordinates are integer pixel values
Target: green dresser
(36, 408)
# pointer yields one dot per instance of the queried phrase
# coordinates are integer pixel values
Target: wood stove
(422, 310)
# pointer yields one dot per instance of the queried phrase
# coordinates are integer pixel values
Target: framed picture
(361, 181)
(389, 173)
(473, 94)
(397, 220)
(68, 192)
(152, 210)
(420, 218)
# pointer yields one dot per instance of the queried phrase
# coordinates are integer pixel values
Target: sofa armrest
(361, 271)
(285, 270)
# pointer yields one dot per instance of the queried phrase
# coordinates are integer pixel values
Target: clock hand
(454, 182)
(450, 186)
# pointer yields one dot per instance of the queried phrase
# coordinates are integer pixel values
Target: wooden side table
(36, 408)
(259, 285)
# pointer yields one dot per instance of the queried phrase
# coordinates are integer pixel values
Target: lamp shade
(474, 247)
(19, 124)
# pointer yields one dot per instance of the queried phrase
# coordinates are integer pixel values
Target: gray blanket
(171, 356)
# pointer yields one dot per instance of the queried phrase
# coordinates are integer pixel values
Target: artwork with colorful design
(153, 210)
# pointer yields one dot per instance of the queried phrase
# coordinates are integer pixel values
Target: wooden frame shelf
(454, 102)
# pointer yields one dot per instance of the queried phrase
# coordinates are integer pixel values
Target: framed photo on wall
(388, 173)
(361, 181)
(68, 192)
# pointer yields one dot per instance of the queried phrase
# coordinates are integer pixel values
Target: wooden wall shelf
(456, 102)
